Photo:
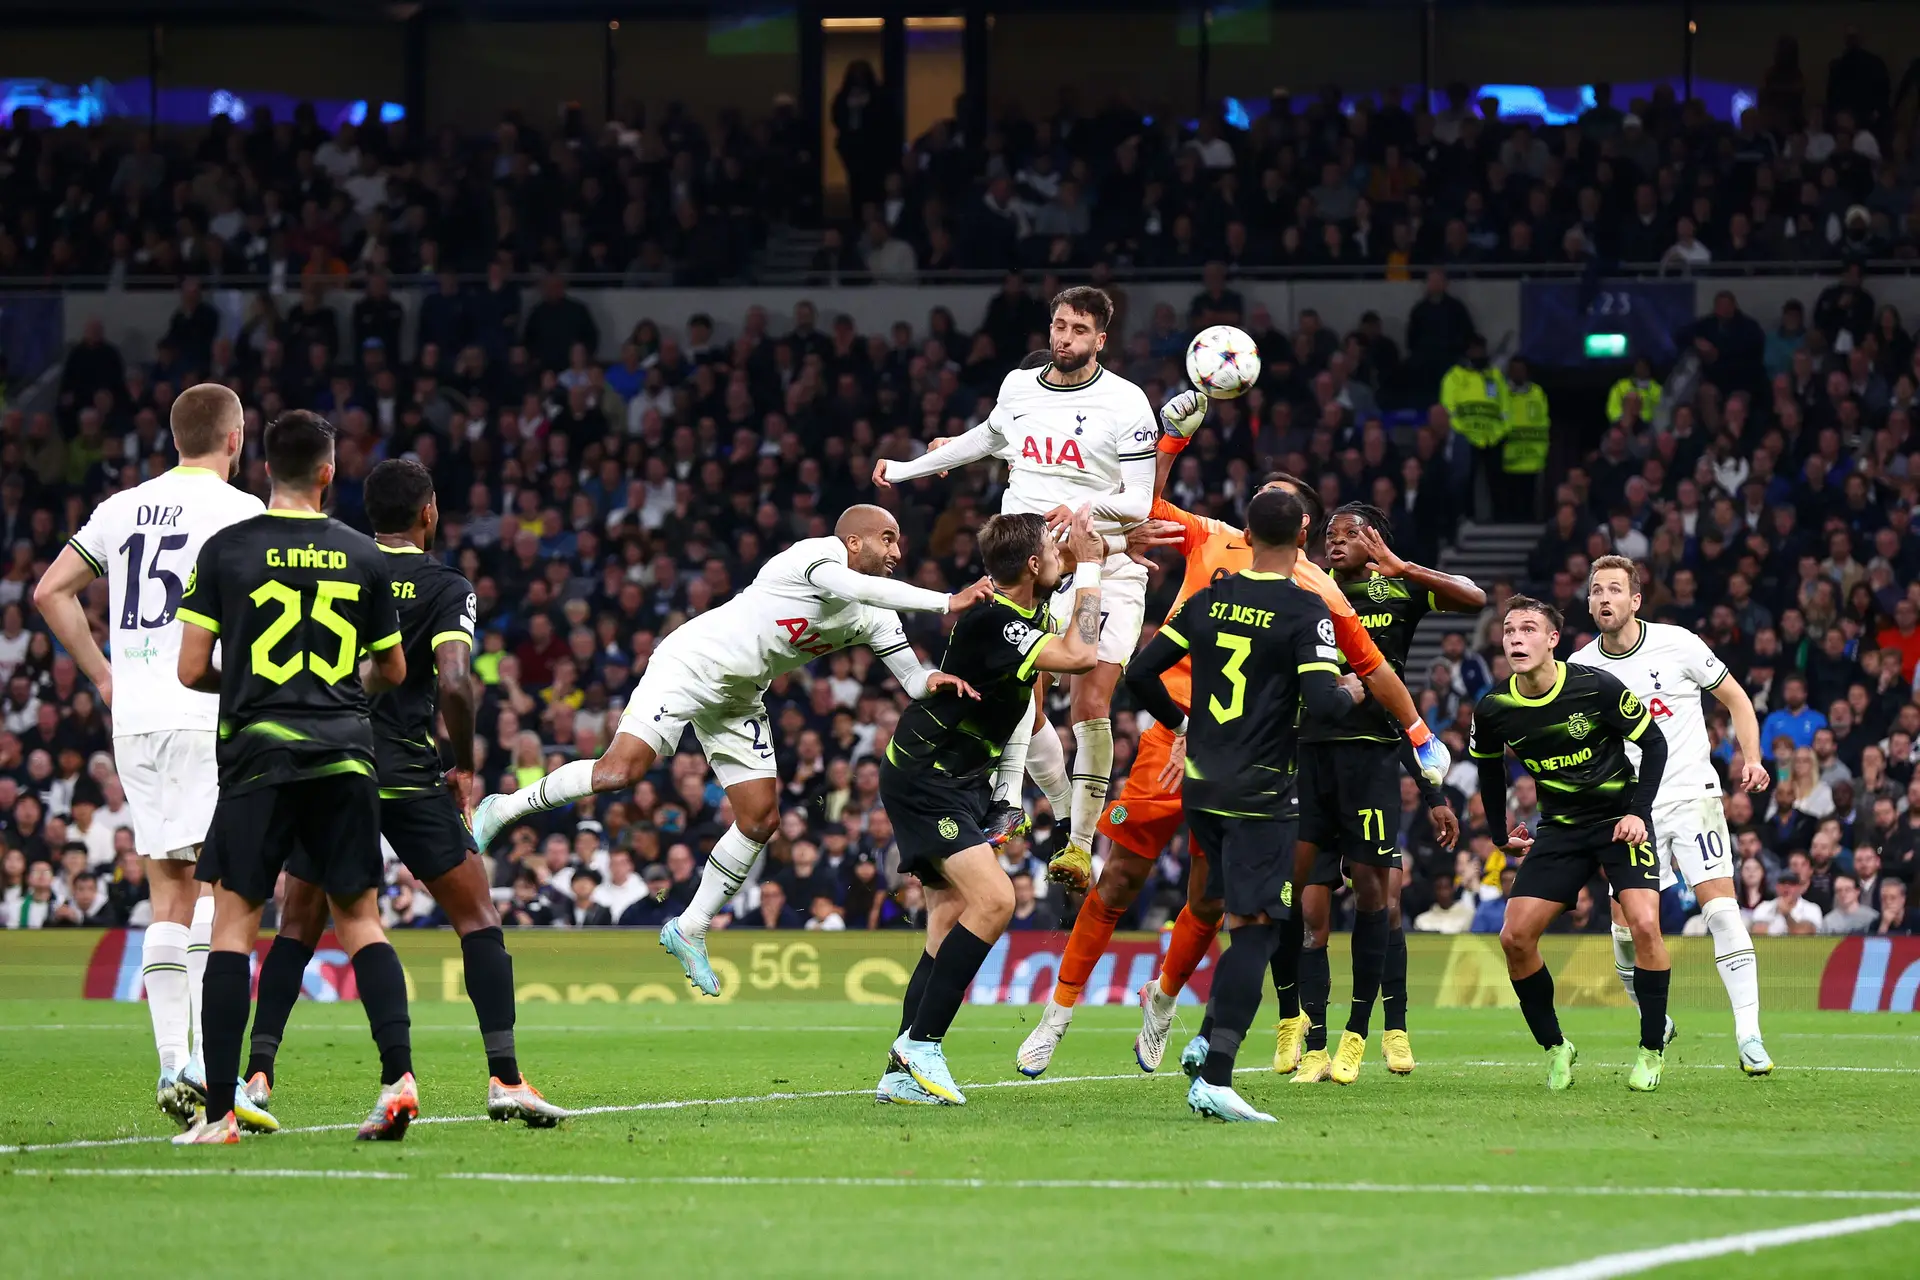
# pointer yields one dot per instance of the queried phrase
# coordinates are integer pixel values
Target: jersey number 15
(136, 548)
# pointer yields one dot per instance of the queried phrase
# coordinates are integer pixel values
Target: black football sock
(1236, 997)
(281, 974)
(916, 992)
(1206, 1019)
(1369, 963)
(1536, 1006)
(1393, 983)
(1286, 964)
(490, 987)
(223, 1025)
(960, 958)
(383, 994)
(1316, 987)
(1652, 986)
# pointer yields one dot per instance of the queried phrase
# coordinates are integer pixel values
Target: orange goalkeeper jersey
(1213, 550)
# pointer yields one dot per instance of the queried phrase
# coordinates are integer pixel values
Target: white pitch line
(1629, 1264)
(1004, 1184)
(681, 1104)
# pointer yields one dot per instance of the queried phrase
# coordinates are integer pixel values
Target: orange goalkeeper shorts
(1145, 817)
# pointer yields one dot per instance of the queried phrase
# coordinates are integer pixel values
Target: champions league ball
(1223, 361)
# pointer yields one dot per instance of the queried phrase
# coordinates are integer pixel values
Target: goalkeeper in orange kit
(1147, 813)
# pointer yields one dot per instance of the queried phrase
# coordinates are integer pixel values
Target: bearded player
(1148, 812)
(1668, 668)
(1071, 433)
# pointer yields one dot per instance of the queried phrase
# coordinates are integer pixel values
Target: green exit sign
(1606, 346)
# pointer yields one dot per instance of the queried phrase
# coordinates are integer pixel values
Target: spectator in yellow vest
(1644, 390)
(1523, 447)
(1474, 394)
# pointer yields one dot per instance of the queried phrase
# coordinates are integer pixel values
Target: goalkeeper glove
(1180, 417)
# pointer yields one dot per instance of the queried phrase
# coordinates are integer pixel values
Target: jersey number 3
(1232, 709)
(802, 639)
(332, 670)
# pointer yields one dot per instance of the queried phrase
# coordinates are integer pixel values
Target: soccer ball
(1223, 361)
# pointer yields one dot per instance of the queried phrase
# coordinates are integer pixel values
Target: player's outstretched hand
(1445, 824)
(880, 480)
(1087, 546)
(1754, 776)
(1519, 840)
(1059, 520)
(970, 595)
(1630, 830)
(1389, 564)
(1149, 534)
(1182, 415)
(941, 680)
(1176, 766)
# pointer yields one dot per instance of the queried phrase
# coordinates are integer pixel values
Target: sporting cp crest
(1578, 725)
(1379, 590)
(949, 829)
(1118, 816)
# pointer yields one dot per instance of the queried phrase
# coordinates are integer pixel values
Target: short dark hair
(1311, 504)
(396, 491)
(298, 444)
(1008, 541)
(1273, 518)
(1528, 604)
(1088, 300)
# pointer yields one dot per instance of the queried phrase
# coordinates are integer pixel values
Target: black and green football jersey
(1390, 609)
(295, 598)
(1573, 740)
(993, 648)
(1253, 638)
(436, 605)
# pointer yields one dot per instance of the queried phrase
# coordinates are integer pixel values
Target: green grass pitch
(743, 1140)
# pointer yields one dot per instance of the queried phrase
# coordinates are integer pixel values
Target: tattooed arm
(1078, 649)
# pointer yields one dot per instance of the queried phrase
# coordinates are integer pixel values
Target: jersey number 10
(802, 639)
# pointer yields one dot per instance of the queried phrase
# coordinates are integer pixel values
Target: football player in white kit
(1668, 668)
(817, 597)
(1071, 433)
(144, 541)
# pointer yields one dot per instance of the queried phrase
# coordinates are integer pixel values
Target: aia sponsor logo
(1041, 451)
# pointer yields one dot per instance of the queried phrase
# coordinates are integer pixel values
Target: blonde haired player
(144, 542)
(1071, 433)
(1668, 668)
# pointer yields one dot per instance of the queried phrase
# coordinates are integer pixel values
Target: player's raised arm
(57, 596)
(971, 446)
(1180, 417)
(872, 539)
(1447, 592)
(1079, 648)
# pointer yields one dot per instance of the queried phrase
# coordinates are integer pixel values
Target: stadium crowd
(1365, 184)
(597, 502)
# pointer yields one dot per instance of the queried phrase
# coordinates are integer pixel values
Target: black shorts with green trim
(1249, 861)
(334, 821)
(1348, 791)
(934, 817)
(1561, 863)
(426, 831)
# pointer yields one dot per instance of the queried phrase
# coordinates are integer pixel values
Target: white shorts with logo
(1690, 838)
(736, 734)
(1123, 607)
(172, 783)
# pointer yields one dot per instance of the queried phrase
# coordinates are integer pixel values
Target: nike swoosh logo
(1390, 849)
(1234, 546)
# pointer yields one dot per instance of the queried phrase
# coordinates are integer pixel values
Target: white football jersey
(778, 624)
(144, 541)
(1065, 445)
(1669, 670)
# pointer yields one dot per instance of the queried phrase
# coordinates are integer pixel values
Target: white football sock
(1625, 959)
(571, 781)
(1733, 956)
(1047, 766)
(199, 942)
(1010, 775)
(163, 965)
(1092, 772)
(727, 868)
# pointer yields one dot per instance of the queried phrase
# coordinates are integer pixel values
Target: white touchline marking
(1628, 1264)
(1004, 1184)
(681, 1104)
